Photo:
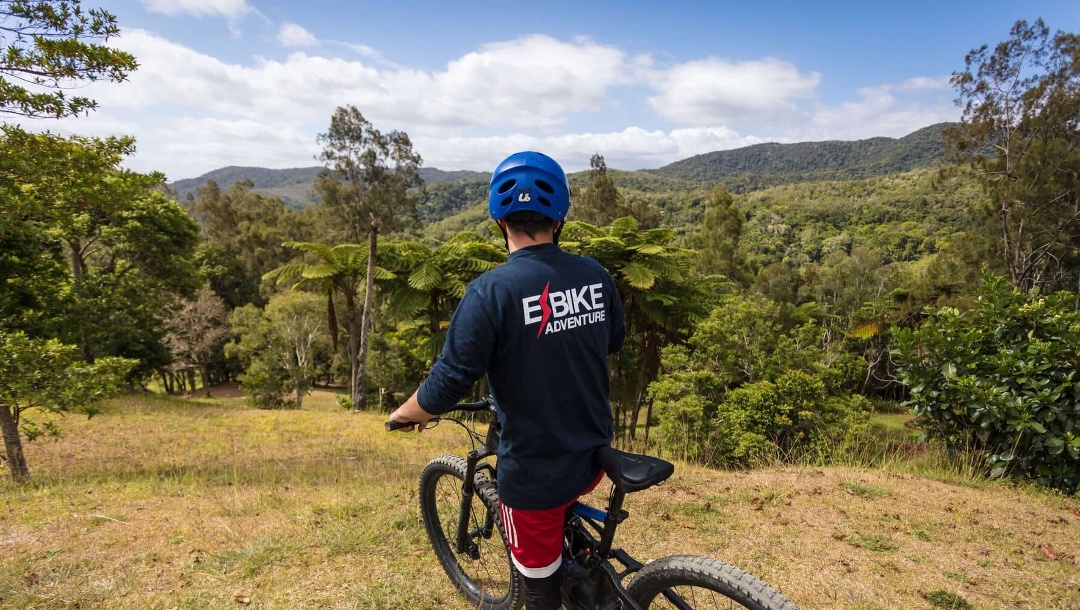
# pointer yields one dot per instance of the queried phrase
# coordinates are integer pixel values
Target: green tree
(50, 46)
(126, 247)
(47, 375)
(431, 279)
(601, 202)
(1000, 380)
(717, 239)
(340, 270)
(1019, 132)
(243, 237)
(279, 347)
(746, 383)
(369, 184)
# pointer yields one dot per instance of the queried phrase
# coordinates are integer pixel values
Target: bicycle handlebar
(391, 425)
(481, 405)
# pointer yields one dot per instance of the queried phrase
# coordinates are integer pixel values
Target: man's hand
(410, 412)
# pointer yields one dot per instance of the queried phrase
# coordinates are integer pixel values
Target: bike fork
(463, 544)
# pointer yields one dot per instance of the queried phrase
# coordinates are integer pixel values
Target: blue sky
(253, 82)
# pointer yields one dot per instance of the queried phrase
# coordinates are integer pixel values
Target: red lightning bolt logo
(544, 307)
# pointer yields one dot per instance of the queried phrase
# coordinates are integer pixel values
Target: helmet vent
(506, 186)
(544, 201)
(544, 186)
(506, 201)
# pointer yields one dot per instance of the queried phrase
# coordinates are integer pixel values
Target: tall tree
(717, 239)
(1020, 132)
(369, 184)
(601, 202)
(243, 237)
(339, 271)
(126, 247)
(51, 45)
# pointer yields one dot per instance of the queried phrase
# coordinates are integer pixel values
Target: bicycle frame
(593, 578)
(604, 523)
(600, 553)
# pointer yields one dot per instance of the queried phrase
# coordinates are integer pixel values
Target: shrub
(790, 416)
(1001, 379)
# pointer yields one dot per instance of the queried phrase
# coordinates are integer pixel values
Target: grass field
(172, 503)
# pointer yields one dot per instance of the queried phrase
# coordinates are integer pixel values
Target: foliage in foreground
(47, 375)
(748, 385)
(1001, 379)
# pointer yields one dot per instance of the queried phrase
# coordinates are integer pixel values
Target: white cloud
(630, 149)
(192, 112)
(532, 82)
(883, 110)
(714, 91)
(292, 35)
(925, 83)
(231, 9)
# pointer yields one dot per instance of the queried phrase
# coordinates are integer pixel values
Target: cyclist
(541, 328)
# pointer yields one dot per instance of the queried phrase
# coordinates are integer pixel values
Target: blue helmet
(529, 181)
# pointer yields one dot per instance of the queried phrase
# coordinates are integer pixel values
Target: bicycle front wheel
(481, 570)
(687, 582)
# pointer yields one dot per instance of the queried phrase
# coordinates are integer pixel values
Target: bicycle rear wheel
(687, 582)
(482, 572)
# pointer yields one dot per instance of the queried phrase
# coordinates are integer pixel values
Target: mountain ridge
(744, 169)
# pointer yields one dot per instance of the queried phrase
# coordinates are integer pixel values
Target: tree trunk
(78, 274)
(369, 305)
(204, 370)
(648, 418)
(13, 446)
(354, 346)
(639, 390)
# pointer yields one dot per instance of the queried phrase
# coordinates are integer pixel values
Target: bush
(264, 386)
(790, 416)
(1001, 379)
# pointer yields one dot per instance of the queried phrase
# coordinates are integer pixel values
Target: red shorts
(536, 536)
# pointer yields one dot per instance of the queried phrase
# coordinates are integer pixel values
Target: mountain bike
(459, 504)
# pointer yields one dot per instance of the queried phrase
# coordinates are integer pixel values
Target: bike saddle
(632, 471)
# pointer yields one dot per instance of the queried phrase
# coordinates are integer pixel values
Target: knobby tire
(488, 579)
(702, 583)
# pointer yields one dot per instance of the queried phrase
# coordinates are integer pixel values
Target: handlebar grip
(398, 425)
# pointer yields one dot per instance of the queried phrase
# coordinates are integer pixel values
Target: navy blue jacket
(541, 327)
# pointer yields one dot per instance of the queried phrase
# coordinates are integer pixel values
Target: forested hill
(294, 185)
(740, 170)
(763, 165)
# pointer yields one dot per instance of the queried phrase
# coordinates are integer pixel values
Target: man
(541, 328)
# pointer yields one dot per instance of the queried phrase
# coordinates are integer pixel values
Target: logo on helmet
(524, 196)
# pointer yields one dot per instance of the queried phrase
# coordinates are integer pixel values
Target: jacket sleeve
(470, 341)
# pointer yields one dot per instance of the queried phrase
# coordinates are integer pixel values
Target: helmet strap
(555, 235)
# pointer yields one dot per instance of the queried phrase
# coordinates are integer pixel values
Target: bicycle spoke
(488, 570)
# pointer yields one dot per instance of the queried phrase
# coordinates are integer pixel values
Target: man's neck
(517, 241)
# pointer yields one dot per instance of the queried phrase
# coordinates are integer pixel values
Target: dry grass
(164, 503)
